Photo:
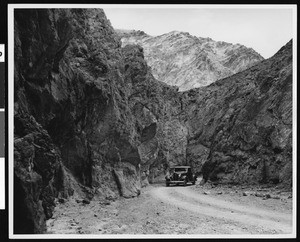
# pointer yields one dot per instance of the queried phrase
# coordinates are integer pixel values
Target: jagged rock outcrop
(88, 114)
(240, 128)
(180, 59)
(155, 107)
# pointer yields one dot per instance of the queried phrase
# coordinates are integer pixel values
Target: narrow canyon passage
(95, 121)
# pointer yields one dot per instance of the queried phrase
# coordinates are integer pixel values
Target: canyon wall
(240, 128)
(89, 116)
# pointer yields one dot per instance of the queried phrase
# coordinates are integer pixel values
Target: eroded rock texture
(92, 122)
(180, 59)
(89, 116)
(240, 127)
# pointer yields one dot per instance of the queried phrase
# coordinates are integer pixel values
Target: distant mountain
(180, 59)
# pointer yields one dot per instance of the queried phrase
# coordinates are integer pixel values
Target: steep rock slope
(155, 107)
(240, 128)
(89, 116)
(180, 59)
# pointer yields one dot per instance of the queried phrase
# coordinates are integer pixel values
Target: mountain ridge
(181, 59)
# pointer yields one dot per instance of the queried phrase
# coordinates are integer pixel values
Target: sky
(265, 30)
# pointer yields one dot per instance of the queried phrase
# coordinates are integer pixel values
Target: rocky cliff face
(90, 120)
(89, 116)
(240, 128)
(180, 59)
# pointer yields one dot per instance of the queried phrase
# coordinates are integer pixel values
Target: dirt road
(180, 210)
(218, 208)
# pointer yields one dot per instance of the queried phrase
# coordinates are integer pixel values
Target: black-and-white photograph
(152, 121)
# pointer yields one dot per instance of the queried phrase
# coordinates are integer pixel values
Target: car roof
(180, 167)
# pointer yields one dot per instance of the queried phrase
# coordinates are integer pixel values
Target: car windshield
(180, 169)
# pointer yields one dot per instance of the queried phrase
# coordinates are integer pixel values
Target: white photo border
(10, 46)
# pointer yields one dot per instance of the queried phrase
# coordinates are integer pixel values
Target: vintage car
(180, 175)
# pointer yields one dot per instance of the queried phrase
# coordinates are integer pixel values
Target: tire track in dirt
(206, 205)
